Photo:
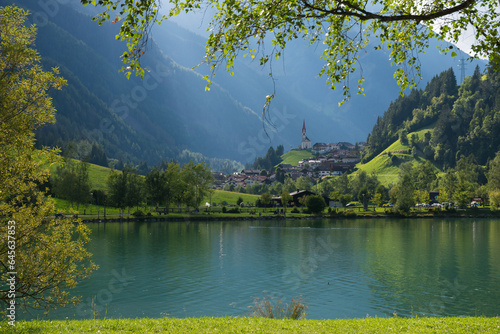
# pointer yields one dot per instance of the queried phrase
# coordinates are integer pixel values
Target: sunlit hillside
(386, 164)
(293, 157)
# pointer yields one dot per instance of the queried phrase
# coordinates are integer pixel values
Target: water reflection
(341, 268)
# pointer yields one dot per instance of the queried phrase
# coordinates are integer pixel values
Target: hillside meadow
(384, 167)
(293, 157)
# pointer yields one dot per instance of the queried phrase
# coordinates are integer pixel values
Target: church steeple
(306, 143)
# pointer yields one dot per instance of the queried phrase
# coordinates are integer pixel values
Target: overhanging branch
(347, 8)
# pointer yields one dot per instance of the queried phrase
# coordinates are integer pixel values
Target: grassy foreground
(260, 325)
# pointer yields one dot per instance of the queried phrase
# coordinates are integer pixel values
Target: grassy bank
(261, 325)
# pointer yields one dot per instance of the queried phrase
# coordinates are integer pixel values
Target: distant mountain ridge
(169, 111)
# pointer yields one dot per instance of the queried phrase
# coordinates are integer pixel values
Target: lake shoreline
(266, 325)
(235, 217)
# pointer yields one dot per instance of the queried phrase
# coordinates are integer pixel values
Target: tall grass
(278, 309)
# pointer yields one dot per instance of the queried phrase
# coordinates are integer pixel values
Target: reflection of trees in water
(435, 268)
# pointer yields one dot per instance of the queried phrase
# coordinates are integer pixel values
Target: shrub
(232, 210)
(278, 310)
(315, 203)
(350, 213)
(295, 210)
(224, 210)
(138, 213)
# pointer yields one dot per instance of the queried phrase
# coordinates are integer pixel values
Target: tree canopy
(262, 29)
(43, 256)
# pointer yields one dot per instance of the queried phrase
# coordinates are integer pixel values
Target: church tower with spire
(306, 143)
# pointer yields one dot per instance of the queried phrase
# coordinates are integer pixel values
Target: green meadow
(293, 157)
(384, 167)
(260, 325)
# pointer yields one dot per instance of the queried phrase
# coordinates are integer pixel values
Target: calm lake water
(340, 268)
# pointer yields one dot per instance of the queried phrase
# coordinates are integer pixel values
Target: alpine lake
(350, 268)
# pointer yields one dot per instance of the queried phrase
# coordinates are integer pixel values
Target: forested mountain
(133, 120)
(169, 112)
(463, 120)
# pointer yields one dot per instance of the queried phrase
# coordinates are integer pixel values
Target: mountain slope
(301, 92)
(170, 111)
(386, 164)
(151, 119)
(452, 122)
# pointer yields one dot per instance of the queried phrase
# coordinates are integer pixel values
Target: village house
(219, 179)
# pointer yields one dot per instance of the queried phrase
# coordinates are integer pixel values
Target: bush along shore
(259, 325)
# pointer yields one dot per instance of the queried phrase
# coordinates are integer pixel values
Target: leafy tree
(117, 185)
(346, 198)
(393, 194)
(276, 188)
(64, 182)
(197, 179)
(421, 196)
(364, 184)
(82, 187)
(155, 186)
(382, 190)
(424, 176)
(494, 198)
(303, 183)
(172, 183)
(315, 203)
(444, 196)
(289, 185)
(364, 193)
(265, 199)
(126, 188)
(239, 201)
(378, 199)
(462, 193)
(325, 186)
(427, 137)
(335, 196)
(402, 29)
(405, 199)
(98, 197)
(343, 184)
(303, 200)
(285, 199)
(403, 137)
(470, 169)
(494, 173)
(50, 255)
(448, 184)
(135, 190)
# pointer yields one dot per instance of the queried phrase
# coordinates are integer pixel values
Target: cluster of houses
(335, 163)
(247, 177)
(332, 159)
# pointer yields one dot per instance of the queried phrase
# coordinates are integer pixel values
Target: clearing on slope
(386, 164)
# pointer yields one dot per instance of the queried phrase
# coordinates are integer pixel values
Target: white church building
(306, 143)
